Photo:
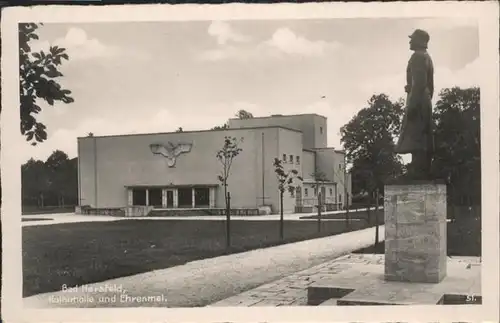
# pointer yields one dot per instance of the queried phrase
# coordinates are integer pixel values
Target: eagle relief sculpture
(170, 151)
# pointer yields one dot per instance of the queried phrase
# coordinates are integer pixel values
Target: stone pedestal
(415, 231)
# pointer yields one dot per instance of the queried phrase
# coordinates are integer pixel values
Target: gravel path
(203, 282)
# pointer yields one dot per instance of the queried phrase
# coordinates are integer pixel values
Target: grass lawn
(81, 253)
(463, 239)
(29, 210)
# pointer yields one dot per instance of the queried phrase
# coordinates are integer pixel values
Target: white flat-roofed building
(135, 170)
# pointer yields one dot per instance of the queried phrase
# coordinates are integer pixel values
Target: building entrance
(155, 197)
(170, 199)
(185, 197)
(202, 197)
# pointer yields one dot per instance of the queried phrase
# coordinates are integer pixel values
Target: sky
(143, 77)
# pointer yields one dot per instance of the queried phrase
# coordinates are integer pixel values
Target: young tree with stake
(319, 181)
(285, 183)
(226, 156)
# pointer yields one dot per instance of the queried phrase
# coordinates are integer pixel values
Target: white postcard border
(485, 12)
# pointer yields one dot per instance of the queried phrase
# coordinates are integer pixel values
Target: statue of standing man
(416, 135)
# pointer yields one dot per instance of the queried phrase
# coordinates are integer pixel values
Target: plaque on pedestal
(415, 231)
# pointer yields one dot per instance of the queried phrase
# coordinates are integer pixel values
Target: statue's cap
(420, 35)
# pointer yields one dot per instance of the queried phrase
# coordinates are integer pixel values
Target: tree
(226, 155)
(53, 182)
(319, 181)
(457, 137)
(223, 127)
(285, 183)
(179, 130)
(35, 183)
(243, 114)
(368, 140)
(38, 73)
(57, 166)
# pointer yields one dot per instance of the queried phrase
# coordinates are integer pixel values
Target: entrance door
(170, 199)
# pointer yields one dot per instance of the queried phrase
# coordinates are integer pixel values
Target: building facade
(180, 169)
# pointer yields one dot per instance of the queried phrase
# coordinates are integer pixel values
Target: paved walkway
(58, 218)
(361, 273)
(200, 283)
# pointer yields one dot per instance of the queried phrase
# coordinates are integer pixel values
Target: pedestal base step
(387, 296)
(364, 284)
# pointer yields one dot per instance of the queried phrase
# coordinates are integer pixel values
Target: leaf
(29, 136)
(40, 132)
(52, 73)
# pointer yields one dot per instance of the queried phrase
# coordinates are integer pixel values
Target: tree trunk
(346, 197)
(281, 216)
(228, 218)
(319, 211)
(376, 220)
(369, 208)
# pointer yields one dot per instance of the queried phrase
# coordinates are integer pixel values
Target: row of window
(297, 160)
(315, 192)
(290, 159)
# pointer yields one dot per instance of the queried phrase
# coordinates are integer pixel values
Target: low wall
(314, 208)
(137, 211)
(99, 211)
(204, 212)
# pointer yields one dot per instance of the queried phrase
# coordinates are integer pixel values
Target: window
(331, 191)
(315, 191)
(306, 192)
(155, 197)
(291, 159)
(292, 193)
(185, 197)
(201, 197)
(340, 198)
(284, 158)
(139, 196)
(321, 130)
(340, 166)
(298, 160)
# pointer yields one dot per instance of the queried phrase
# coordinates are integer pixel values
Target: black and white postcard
(237, 162)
